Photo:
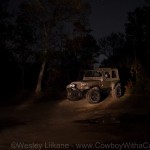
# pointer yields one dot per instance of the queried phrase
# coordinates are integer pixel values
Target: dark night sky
(110, 15)
(107, 16)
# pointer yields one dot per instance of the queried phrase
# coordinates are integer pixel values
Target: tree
(113, 48)
(5, 44)
(5, 29)
(134, 51)
(81, 53)
(45, 16)
(23, 41)
(138, 36)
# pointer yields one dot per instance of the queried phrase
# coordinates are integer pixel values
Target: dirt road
(68, 122)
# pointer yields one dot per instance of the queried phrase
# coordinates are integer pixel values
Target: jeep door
(107, 79)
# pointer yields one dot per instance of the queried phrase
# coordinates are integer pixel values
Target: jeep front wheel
(93, 96)
(74, 95)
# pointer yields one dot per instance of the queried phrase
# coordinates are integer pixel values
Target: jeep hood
(86, 84)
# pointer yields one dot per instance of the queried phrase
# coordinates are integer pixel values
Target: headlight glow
(72, 85)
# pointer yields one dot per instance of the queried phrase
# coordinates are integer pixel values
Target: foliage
(131, 50)
(40, 29)
(113, 47)
(5, 29)
(79, 54)
(138, 35)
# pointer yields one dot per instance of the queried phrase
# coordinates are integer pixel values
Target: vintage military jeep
(94, 84)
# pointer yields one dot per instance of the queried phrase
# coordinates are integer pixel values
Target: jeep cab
(94, 83)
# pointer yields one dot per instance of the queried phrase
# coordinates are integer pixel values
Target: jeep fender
(95, 87)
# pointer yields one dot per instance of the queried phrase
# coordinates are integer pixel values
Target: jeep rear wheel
(117, 92)
(74, 95)
(93, 96)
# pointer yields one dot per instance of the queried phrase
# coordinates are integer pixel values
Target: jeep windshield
(92, 73)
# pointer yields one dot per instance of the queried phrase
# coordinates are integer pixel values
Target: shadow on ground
(6, 123)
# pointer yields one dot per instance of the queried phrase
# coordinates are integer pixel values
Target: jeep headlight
(72, 85)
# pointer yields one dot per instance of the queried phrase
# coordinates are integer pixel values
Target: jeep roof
(100, 73)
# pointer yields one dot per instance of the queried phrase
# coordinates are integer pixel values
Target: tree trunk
(45, 48)
(40, 77)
